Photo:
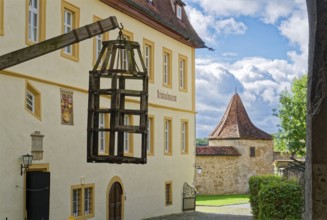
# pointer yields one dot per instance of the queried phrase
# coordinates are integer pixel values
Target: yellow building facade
(49, 95)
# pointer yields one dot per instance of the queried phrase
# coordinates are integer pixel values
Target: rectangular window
(148, 51)
(70, 21)
(252, 151)
(128, 137)
(35, 21)
(150, 138)
(30, 101)
(128, 36)
(168, 136)
(1, 18)
(103, 136)
(77, 202)
(97, 42)
(182, 73)
(179, 11)
(88, 192)
(82, 200)
(33, 100)
(167, 67)
(68, 26)
(184, 136)
(168, 193)
(98, 45)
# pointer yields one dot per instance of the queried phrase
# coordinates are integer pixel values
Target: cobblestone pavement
(232, 212)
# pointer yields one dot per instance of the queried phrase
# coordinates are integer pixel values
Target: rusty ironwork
(120, 75)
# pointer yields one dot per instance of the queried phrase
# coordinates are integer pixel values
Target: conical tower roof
(236, 124)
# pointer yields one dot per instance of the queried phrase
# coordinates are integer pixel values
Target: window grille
(168, 194)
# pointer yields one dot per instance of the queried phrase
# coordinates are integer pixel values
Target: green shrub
(255, 184)
(280, 200)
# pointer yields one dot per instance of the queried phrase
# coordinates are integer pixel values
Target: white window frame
(126, 135)
(147, 57)
(76, 201)
(98, 45)
(183, 136)
(125, 55)
(87, 200)
(166, 68)
(148, 149)
(102, 136)
(167, 136)
(82, 201)
(33, 20)
(68, 27)
(179, 12)
(182, 74)
(30, 101)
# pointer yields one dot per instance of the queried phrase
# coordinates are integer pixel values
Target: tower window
(252, 151)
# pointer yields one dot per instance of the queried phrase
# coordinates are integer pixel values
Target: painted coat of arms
(67, 113)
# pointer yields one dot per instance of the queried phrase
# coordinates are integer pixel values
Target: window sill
(70, 57)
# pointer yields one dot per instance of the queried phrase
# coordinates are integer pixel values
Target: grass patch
(220, 200)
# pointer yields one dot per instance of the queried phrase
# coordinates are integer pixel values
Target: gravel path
(231, 212)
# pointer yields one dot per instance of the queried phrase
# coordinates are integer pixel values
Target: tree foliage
(291, 111)
(202, 142)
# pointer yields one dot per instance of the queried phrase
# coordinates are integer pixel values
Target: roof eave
(239, 138)
(134, 10)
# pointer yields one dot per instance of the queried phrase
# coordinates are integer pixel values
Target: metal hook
(121, 27)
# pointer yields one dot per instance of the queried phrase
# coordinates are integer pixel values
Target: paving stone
(232, 212)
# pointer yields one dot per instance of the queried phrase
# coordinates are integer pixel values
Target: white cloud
(259, 82)
(273, 10)
(230, 7)
(269, 11)
(229, 54)
(230, 26)
(201, 24)
(296, 29)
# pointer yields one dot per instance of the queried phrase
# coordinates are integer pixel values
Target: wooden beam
(56, 43)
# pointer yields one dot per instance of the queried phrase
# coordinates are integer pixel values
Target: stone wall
(230, 174)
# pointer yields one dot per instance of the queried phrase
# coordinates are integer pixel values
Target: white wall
(64, 145)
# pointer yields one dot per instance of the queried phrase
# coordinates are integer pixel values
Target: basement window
(168, 193)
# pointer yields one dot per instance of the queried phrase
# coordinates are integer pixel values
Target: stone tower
(237, 150)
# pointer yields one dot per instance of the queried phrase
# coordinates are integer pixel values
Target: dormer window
(179, 11)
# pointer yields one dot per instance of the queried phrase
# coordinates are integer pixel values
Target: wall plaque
(67, 107)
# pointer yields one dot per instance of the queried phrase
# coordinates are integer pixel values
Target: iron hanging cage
(118, 75)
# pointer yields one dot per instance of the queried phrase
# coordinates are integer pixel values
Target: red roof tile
(160, 12)
(236, 124)
(216, 151)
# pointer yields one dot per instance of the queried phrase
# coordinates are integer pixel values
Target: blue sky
(260, 48)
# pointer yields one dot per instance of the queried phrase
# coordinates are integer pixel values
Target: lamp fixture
(27, 161)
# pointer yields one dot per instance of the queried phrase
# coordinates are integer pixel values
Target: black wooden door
(115, 202)
(37, 195)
